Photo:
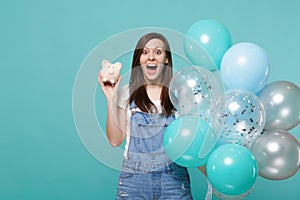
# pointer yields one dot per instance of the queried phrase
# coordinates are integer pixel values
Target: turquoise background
(42, 46)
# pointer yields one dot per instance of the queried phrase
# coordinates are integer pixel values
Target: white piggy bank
(110, 72)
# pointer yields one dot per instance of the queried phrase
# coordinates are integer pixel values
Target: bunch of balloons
(229, 117)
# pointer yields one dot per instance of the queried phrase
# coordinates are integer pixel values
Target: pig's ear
(118, 65)
(105, 63)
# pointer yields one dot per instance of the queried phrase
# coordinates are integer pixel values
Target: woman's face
(152, 60)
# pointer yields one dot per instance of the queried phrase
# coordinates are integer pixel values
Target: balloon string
(209, 191)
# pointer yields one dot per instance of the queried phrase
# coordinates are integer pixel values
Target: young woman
(140, 112)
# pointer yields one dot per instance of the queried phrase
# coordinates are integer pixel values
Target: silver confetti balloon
(244, 117)
(277, 153)
(193, 91)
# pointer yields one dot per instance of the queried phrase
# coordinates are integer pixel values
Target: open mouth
(152, 66)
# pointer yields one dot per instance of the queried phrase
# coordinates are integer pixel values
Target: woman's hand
(108, 89)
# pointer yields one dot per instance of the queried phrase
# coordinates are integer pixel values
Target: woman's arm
(116, 116)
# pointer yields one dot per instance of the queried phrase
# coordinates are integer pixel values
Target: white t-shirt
(123, 103)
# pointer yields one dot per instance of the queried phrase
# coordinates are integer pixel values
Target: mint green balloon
(206, 42)
(185, 137)
(232, 169)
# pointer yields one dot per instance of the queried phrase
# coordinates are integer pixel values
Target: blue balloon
(206, 42)
(245, 66)
(232, 169)
(184, 139)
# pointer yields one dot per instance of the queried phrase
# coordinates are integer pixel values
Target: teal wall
(44, 43)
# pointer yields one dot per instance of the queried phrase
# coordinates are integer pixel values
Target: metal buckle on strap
(133, 111)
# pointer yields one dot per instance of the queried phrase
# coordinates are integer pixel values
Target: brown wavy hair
(137, 87)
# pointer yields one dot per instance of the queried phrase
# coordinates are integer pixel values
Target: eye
(158, 52)
(145, 52)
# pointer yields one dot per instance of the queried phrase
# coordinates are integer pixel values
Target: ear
(105, 63)
(167, 61)
(118, 65)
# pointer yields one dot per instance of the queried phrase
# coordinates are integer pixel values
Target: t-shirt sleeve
(123, 96)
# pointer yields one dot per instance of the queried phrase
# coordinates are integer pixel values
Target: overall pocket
(147, 131)
(150, 138)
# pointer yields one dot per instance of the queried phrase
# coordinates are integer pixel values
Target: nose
(151, 55)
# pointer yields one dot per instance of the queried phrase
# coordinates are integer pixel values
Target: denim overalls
(148, 173)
